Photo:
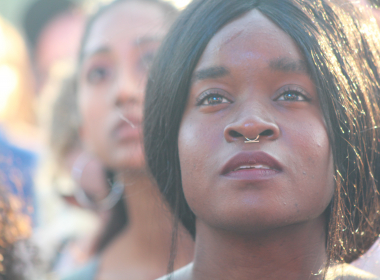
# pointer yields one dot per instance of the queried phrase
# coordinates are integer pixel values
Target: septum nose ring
(121, 116)
(256, 140)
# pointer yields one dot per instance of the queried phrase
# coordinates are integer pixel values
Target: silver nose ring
(256, 140)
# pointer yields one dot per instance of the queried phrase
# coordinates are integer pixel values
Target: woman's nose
(128, 91)
(250, 128)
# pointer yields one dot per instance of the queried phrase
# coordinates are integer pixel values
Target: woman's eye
(97, 75)
(214, 99)
(292, 95)
(147, 60)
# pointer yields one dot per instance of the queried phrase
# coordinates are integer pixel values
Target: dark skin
(259, 206)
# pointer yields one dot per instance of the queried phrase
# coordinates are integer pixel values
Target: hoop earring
(107, 203)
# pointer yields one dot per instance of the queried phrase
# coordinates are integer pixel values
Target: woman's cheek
(311, 160)
(195, 145)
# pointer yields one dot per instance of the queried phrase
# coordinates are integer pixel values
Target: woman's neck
(296, 253)
(148, 217)
(147, 238)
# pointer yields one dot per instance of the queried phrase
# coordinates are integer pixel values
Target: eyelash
(217, 93)
(210, 93)
(147, 59)
(97, 74)
(294, 89)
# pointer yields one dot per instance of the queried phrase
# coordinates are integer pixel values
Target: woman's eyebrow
(148, 39)
(209, 73)
(285, 64)
(99, 50)
(282, 64)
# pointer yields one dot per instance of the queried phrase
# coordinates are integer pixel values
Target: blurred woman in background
(117, 49)
(66, 229)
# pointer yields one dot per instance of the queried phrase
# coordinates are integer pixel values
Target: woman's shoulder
(87, 272)
(183, 273)
(348, 272)
(336, 272)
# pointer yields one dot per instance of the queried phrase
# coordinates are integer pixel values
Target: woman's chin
(134, 163)
(126, 159)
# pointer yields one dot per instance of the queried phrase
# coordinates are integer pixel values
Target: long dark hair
(119, 218)
(340, 48)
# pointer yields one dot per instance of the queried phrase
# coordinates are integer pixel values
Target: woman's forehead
(130, 22)
(252, 36)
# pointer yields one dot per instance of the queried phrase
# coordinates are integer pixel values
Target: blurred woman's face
(252, 80)
(117, 56)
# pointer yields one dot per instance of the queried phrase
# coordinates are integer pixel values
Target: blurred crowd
(75, 196)
(66, 201)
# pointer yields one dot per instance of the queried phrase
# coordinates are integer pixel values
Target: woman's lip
(251, 175)
(261, 163)
(125, 131)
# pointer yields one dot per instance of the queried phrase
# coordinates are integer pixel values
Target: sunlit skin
(117, 55)
(262, 219)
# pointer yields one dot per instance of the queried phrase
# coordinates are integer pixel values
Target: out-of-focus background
(12, 10)
(39, 142)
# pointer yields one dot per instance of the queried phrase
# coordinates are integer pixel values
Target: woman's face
(117, 55)
(253, 80)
